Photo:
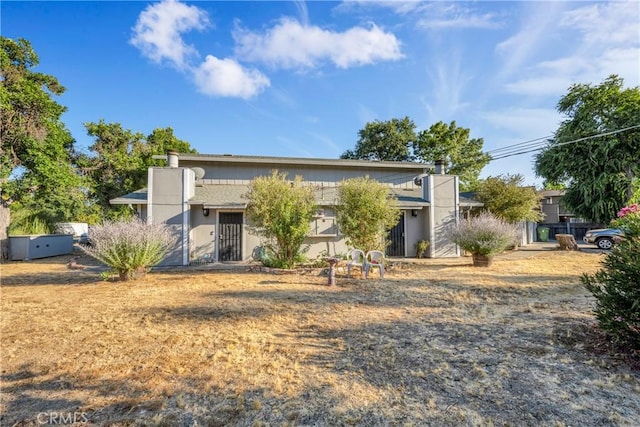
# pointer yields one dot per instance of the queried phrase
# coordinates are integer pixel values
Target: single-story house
(201, 198)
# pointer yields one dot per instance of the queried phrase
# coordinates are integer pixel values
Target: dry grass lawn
(435, 343)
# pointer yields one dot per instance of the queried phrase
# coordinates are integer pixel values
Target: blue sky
(301, 78)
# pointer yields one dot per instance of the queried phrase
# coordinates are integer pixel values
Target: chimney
(440, 166)
(172, 159)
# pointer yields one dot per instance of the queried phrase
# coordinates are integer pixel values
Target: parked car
(604, 238)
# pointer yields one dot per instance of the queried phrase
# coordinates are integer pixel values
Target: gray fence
(578, 229)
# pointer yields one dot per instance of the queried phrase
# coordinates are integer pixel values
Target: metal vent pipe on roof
(440, 167)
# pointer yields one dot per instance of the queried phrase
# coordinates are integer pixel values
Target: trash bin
(543, 234)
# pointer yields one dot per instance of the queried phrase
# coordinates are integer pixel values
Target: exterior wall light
(205, 211)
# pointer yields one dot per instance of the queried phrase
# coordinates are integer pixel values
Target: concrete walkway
(536, 247)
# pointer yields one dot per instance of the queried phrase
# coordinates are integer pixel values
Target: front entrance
(230, 236)
(395, 239)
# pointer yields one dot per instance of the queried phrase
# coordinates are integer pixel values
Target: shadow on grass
(33, 398)
(493, 372)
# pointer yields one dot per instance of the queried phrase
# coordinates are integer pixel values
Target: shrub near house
(129, 247)
(617, 286)
(484, 236)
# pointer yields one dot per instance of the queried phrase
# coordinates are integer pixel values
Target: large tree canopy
(396, 140)
(384, 140)
(600, 173)
(119, 159)
(36, 168)
(463, 155)
(28, 107)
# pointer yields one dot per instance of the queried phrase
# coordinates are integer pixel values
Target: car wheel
(604, 243)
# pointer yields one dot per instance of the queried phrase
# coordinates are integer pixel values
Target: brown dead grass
(435, 343)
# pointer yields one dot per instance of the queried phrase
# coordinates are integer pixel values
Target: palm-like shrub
(484, 234)
(129, 247)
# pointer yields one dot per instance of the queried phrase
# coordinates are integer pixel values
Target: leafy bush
(628, 220)
(421, 248)
(269, 257)
(484, 234)
(26, 221)
(129, 247)
(366, 211)
(281, 210)
(616, 287)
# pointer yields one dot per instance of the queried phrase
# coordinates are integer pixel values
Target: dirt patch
(435, 343)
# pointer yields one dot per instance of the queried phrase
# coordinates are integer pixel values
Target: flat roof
(232, 158)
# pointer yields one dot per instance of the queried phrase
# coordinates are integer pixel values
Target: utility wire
(525, 149)
(530, 142)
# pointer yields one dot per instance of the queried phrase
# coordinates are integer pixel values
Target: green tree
(505, 197)
(463, 155)
(600, 173)
(36, 150)
(384, 140)
(48, 189)
(365, 212)
(119, 159)
(281, 210)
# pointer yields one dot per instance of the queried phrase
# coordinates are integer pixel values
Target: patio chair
(374, 259)
(355, 258)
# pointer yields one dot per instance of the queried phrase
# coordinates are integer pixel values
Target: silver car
(604, 238)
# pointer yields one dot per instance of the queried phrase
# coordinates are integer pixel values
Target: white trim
(186, 186)
(456, 194)
(216, 237)
(432, 220)
(407, 212)
(149, 218)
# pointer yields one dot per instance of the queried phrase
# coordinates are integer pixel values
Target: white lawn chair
(356, 258)
(374, 259)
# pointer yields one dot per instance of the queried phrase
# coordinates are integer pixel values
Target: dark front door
(230, 236)
(395, 239)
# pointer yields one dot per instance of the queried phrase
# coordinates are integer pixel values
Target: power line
(530, 142)
(522, 149)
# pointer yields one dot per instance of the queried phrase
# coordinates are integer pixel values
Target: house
(559, 220)
(552, 208)
(201, 198)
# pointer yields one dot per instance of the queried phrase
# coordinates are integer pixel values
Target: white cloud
(454, 16)
(158, 35)
(604, 40)
(292, 45)
(448, 80)
(226, 77)
(609, 23)
(486, 21)
(524, 123)
(158, 31)
(550, 85)
(518, 50)
(397, 6)
(303, 12)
